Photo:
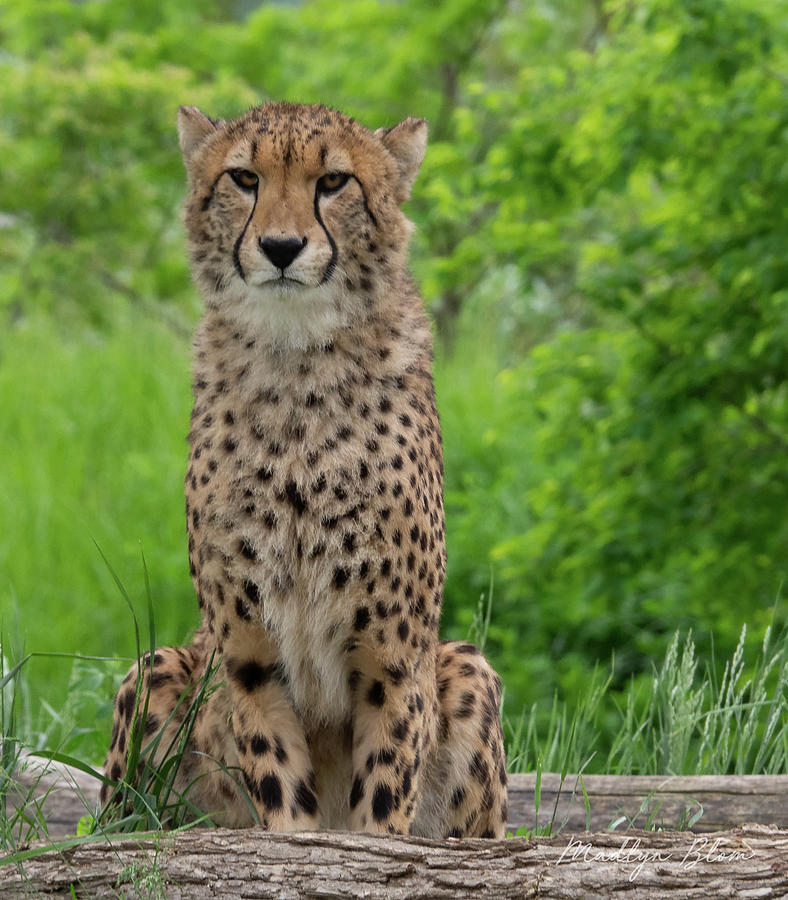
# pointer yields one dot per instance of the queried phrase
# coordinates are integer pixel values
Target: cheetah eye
(245, 179)
(332, 182)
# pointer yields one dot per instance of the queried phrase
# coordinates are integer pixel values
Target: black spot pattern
(382, 802)
(377, 694)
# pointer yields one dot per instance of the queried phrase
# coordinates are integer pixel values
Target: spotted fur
(314, 498)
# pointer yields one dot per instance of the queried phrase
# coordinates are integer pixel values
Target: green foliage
(631, 466)
(601, 230)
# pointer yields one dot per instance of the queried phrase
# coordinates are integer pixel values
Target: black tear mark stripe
(237, 245)
(332, 263)
(366, 201)
(206, 200)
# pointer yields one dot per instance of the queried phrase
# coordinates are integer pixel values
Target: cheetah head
(293, 216)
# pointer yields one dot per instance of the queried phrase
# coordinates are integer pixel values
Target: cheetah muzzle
(314, 500)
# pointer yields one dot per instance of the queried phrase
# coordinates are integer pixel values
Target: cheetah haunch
(314, 499)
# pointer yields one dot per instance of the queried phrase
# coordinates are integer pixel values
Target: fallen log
(64, 794)
(643, 801)
(219, 863)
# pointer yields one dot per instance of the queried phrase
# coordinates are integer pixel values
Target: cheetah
(314, 500)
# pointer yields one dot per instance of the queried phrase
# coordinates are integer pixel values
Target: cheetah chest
(284, 537)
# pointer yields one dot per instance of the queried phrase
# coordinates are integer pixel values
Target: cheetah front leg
(272, 748)
(388, 740)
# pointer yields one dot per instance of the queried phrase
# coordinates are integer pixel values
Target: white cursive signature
(631, 853)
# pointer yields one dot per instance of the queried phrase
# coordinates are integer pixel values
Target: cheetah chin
(290, 316)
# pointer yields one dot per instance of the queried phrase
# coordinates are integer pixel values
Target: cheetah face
(294, 221)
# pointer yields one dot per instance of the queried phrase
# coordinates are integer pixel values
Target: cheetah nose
(281, 252)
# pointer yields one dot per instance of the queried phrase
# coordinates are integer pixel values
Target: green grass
(151, 802)
(93, 448)
(679, 720)
(145, 802)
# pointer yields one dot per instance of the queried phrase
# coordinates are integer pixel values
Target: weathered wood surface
(747, 862)
(727, 800)
(66, 794)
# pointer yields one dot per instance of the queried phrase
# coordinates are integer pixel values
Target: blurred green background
(601, 242)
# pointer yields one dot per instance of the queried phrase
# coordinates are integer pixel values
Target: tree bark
(220, 863)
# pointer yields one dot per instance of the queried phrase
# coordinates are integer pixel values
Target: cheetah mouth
(283, 281)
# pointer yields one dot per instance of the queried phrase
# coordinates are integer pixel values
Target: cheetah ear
(193, 128)
(407, 143)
